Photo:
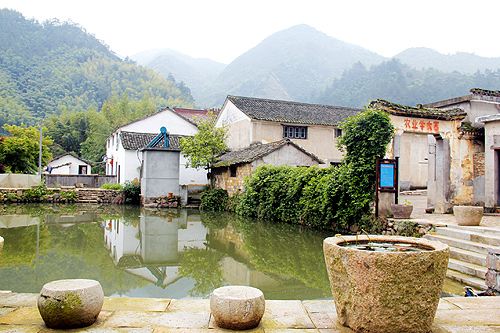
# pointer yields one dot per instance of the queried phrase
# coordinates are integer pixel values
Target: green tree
(202, 149)
(19, 150)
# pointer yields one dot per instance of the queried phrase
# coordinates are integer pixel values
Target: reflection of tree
(74, 251)
(215, 220)
(203, 266)
(284, 250)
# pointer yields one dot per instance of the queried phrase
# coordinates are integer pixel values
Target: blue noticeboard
(387, 175)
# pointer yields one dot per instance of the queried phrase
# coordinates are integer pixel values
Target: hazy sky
(223, 29)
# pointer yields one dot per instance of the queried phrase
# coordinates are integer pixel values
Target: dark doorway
(82, 169)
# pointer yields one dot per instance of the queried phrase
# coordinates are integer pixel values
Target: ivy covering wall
(337, 198)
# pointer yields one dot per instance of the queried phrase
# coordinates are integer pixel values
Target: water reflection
(150, 253)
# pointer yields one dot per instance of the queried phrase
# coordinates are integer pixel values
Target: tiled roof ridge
(267, 148)
(418, 111)
(485, 92)
(295, 103)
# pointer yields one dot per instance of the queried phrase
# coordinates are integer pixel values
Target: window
(295, 132)
(337, 133)
(232, 170)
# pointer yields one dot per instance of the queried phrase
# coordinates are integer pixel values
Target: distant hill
(291, 64)
(51, 66)
(196, 73)
(403, 84)
(421, 58)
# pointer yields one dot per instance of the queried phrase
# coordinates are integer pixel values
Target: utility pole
(40, 153)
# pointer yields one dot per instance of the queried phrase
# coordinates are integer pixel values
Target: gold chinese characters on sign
(422, 125)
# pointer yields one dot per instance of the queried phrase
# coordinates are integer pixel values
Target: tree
(202, 149)
(19, 150)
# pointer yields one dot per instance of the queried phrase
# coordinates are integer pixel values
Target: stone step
(462, 244)
(477, 229)
(467, 268)
(470, 235)
(468, 256)
(471, 281)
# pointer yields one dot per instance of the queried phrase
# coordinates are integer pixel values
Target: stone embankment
(19, 313)
(61, 195)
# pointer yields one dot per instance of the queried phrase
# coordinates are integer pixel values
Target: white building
(123, 158)
(68, 164)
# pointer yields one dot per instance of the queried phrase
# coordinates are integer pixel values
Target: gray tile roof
(417, 112)
(256, 151)
(292, 112)
(134, 141)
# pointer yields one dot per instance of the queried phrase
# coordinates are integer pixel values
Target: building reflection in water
(149, 246)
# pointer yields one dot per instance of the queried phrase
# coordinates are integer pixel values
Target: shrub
(112, 186)
(68, 196)
(214, 200)
(336, 198)
(132, 191)
(36, 193)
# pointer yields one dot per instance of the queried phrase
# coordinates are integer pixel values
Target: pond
(171, 254)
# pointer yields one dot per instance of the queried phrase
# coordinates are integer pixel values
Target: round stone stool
(1, 243)
(237, 307)
(70, 303)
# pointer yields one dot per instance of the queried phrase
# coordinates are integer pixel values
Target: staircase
(468, 249)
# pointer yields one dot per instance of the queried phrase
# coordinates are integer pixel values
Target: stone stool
(237, 307)
(70, 303)
(1, 243)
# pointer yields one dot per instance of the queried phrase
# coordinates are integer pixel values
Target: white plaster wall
(191, 176)
(71, 169)
(492, 164)
(173, 122)
(286, 155)
(320, 139)
(128, 161)
(239, 126)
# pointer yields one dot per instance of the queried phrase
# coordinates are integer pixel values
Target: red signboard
(422, 125)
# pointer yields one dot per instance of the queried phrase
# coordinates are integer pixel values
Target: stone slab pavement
(419, 215)
(18, 313)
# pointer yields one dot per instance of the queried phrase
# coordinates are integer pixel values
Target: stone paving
(18, 313)
(419, 215)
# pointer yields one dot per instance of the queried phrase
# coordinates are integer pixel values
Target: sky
(223, 29)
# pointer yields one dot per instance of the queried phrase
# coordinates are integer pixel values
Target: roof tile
(256, 151)
(292, 112)
(134, 141)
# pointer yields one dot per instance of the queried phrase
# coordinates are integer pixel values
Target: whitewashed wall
(71, 169)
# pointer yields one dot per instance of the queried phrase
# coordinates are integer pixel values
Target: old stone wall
(232, 185)
(58, 195)
(493, 273)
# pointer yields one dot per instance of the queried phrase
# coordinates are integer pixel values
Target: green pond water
(172, 254)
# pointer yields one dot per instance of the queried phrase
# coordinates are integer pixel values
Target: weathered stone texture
(232, 185)
(468, 215)
(478, 161)
(70, 303)
(237, 307)
(386, 292)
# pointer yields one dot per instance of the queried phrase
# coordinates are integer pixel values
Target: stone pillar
(493, 273)
(442, 176)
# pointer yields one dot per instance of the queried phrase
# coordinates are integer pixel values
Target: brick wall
(232, 185)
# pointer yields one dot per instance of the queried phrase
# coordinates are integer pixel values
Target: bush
(132, 192)
(214, 200)
(112, 186)
(336, 198)
(36, 193)
(68, 196)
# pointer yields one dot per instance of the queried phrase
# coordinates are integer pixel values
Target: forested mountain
(400, 83)
(196, 73)
(51, 66)
(290, 64)
(424, 58)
